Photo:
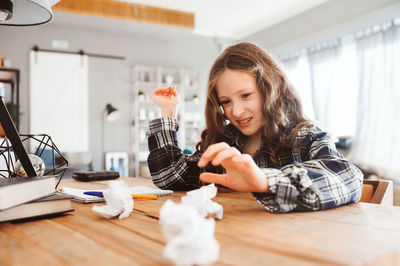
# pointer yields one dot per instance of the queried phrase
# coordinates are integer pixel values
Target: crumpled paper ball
(201, 200)
(119, 201)
(190, 236)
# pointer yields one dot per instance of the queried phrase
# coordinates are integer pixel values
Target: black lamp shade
(110, 109)
(111, 112)
(6, 7)
(26, 12)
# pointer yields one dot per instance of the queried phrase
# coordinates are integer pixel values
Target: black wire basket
(45, 149)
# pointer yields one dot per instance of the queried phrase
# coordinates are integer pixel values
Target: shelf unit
(144, 80)
(11, 76)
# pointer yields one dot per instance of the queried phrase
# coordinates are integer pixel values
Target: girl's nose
(237, 109)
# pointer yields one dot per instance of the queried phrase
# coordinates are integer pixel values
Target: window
(353, 87)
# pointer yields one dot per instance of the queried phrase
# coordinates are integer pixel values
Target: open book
(77, 194)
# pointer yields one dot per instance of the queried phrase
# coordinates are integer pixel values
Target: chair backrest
(377, 192)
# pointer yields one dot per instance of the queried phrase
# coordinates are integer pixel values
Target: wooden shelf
(148, 78)
(11, 76)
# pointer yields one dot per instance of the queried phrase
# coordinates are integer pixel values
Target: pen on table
(135, 196)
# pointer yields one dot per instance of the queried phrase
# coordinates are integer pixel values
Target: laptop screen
(13, 136)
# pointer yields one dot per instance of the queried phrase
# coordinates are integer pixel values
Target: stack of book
(23, 198)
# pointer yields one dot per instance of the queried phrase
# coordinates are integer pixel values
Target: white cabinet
(190, 114)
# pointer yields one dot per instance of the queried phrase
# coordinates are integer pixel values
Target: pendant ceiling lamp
(25, 12)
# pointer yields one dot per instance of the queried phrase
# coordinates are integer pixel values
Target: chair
(377, 192)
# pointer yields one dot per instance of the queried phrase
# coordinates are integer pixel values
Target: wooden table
(359, 233)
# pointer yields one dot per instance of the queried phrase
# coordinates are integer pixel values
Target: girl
(257, 140)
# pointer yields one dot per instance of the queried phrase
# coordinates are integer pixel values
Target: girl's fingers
(158, 91)
(214, 178)
(211, 152)
(224, 155)
(243, 160)
(173, 91)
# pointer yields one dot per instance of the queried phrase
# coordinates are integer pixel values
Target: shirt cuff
(285, 176)
(163, 124)
(273, 177)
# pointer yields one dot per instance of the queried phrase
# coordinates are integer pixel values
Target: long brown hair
(282, 108)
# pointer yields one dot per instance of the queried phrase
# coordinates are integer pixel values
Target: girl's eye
(246, 95)
(225, 102)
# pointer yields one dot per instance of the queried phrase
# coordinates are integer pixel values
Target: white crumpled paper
(201, 200)
(190, 236)
(119, 201)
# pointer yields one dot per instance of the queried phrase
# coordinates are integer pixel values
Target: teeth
(244, 121)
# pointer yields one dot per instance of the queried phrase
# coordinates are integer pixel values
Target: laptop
(14, 138)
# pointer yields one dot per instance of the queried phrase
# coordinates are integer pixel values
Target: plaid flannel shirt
(311, 176)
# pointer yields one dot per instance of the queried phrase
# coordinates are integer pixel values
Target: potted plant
(12, 109)
(141, 95)
(14, 113)
(2, 133)
(195, 98)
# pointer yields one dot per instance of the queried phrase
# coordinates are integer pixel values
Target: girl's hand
(168, 100)
(242, 173)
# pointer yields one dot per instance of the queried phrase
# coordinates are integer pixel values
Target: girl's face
(241, 100)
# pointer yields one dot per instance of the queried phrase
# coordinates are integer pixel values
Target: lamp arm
(103, 114)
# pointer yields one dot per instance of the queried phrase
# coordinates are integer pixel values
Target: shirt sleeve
(169, 167)
(324, 180)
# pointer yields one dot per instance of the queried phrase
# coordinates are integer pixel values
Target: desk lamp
(110, 113)
(25, 12)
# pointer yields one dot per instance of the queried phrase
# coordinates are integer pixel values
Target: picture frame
(117, 161)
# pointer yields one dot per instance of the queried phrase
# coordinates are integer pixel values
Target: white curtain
(298, 72)
(333, 83)
(323, 65)
(376, 141)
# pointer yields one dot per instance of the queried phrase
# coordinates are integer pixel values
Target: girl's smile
(244, 122)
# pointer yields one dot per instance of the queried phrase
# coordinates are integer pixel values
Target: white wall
(108, 83)
(108, 79)
(333, 19)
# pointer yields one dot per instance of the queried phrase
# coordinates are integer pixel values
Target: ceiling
(235, 19)
(228, 19)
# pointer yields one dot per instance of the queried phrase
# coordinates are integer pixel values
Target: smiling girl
(256, 139)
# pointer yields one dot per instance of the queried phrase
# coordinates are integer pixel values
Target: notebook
(77, 194)
(51, 205)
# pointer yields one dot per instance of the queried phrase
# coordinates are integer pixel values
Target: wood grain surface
(354, 234)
